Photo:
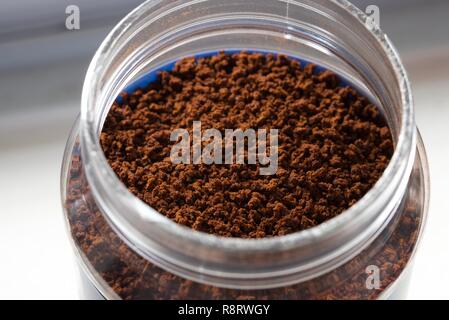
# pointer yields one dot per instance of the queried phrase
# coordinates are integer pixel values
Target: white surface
(36, 259)
(430, 81)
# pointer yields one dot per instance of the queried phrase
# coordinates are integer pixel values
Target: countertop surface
(37, 260)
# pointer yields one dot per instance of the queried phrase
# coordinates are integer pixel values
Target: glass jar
(127, 250)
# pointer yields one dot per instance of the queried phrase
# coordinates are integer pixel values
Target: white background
(39, 103)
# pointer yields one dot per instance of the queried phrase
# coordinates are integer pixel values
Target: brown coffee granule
(334, 144)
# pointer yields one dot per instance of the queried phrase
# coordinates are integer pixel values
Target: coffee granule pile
(334, 144)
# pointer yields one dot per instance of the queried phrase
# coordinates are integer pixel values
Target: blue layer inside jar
(143, 81)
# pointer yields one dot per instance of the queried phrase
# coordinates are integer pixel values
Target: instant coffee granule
(333, 146)
(333, 143)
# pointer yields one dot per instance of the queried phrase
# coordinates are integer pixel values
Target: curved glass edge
(83, 263)
(389, 292)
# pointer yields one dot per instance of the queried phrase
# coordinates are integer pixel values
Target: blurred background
(42, 67)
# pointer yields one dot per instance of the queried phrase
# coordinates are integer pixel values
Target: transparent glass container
(125, 249)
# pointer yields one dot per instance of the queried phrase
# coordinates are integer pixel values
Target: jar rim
(96, 164)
